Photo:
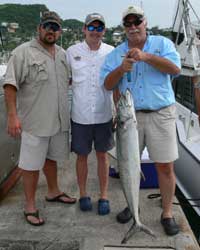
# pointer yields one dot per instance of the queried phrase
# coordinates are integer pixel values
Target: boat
(9, 147)
(187, 40)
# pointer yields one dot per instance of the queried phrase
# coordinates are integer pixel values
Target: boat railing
(186, 36)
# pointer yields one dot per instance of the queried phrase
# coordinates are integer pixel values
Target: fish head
(125, 108)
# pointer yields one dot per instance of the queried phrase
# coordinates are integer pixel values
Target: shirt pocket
(38, 73)
(155, 76)
(79, 72)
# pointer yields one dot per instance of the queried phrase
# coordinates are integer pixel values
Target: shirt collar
(34, 43)
(126, 48)
(85, 45)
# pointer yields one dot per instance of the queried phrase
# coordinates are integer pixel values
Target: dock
(67, 228)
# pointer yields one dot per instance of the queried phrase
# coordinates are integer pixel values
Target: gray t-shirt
(42, 84)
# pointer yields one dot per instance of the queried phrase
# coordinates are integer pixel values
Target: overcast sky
(158, 12)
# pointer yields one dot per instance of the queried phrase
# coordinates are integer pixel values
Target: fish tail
(137, 228)
(147, 230)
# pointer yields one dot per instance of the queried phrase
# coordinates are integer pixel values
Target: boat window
(184, 92)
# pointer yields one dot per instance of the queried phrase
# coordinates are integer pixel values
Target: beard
(48, 39)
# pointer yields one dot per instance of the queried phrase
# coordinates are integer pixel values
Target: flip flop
(36, 215)
(59, 197)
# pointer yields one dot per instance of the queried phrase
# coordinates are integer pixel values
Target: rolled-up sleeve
(16, 72)
(170, 52)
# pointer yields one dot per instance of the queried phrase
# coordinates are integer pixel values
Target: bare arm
(114, 77)
(13, 122)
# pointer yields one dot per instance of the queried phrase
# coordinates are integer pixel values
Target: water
(191, 215)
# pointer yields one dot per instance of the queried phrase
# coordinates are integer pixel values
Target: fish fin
(137, 228)
(147, 230)
(133, 229)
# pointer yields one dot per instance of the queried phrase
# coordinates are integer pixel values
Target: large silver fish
(128, 157)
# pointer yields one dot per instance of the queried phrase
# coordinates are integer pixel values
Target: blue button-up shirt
(151, 89)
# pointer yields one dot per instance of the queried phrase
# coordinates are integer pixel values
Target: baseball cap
(134, 10)
(50, 16)
(94, 17)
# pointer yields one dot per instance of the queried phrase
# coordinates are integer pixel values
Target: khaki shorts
(157, 131)
(35, 150)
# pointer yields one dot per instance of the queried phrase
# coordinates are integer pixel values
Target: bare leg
(82, 172)
(30, 181)
(167, 184)
(50, 171)
(103, 171)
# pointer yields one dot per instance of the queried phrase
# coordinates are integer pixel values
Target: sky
(158, 12)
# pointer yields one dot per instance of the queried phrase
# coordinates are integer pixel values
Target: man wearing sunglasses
(91, 109)
(37, 79)
(146, 64)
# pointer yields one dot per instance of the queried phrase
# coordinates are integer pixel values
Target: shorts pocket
(30, 139)
(168, 112)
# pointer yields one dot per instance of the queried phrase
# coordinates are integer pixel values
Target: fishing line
(183, 200)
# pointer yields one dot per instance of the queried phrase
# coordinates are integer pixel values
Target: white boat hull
(187, 167)
(9, 147)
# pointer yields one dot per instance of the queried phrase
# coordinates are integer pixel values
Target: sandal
(103, 207)
(85, 203)
(59, 197)
(33, 214)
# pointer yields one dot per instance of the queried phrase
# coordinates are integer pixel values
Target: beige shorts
(157, 131)
(35, 150)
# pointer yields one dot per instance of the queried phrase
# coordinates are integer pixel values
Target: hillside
(28, 16)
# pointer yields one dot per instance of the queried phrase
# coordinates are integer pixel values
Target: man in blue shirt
(146, 64)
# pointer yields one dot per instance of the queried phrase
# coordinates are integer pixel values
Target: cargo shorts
(157, 131)
(35, 150)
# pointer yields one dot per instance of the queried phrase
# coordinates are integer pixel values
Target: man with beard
(36, 87)
(145, 64)
(91, 109)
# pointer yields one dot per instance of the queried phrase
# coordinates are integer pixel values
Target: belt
(152, 110)
(146, 110)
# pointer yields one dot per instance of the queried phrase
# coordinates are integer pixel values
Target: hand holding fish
(127, 63)
(137, 54)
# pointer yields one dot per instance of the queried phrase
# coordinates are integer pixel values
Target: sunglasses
(136, 22)
(98, 28)
(51, 26)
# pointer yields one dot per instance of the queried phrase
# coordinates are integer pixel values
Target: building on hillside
(12, 27)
